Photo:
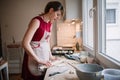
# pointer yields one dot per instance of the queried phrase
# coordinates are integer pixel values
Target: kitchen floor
(15, 77)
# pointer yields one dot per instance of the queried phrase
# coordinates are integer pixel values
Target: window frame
(99, 22)
(114, 21)
(86, 13)
(113, 6)
(108, 61)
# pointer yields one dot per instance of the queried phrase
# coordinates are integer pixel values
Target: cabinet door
(14, 57)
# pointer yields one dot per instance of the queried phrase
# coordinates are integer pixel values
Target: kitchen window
(109, 39)
(88, 24)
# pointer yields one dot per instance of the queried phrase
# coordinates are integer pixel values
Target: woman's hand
(47, 63)
(53, 58)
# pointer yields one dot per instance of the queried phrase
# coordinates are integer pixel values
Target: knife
(54, 73)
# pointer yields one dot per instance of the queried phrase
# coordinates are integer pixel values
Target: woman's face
(55, 15)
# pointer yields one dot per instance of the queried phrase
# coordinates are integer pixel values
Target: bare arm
(33, 26)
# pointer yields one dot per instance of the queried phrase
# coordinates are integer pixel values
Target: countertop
(67, 71)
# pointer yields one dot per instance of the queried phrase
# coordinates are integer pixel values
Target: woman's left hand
(53, 58)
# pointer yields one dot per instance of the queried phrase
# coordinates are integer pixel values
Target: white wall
(113, 30)
(73, 9)
(15, 16)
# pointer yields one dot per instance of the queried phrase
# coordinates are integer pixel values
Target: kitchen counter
(67, 72)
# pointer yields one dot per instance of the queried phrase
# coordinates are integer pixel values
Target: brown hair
(56, 5)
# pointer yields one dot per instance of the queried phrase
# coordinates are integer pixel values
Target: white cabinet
(73, 9)
(14, 57)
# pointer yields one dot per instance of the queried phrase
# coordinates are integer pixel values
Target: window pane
(112, 33)
(109, 39)
(110, 16)
(88, 23)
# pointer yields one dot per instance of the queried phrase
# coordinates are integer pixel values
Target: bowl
(111, 74)
(89, 71)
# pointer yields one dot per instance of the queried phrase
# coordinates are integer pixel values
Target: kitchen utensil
(52, 74)
(111, 74)
(73, 57)
(88, 71)
(83, 56)
(58, 72)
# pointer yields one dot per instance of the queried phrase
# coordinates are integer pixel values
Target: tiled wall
(66, 34)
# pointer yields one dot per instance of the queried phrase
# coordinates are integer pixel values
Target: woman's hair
(56, 5)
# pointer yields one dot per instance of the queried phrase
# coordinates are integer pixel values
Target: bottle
(13, 39)
(77, 46)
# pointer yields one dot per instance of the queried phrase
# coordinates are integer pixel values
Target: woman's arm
(33, 26)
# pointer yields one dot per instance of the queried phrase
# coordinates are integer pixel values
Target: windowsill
(104, 60)
(112, 25)
(108, 62)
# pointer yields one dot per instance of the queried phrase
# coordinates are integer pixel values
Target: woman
(36, 42)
